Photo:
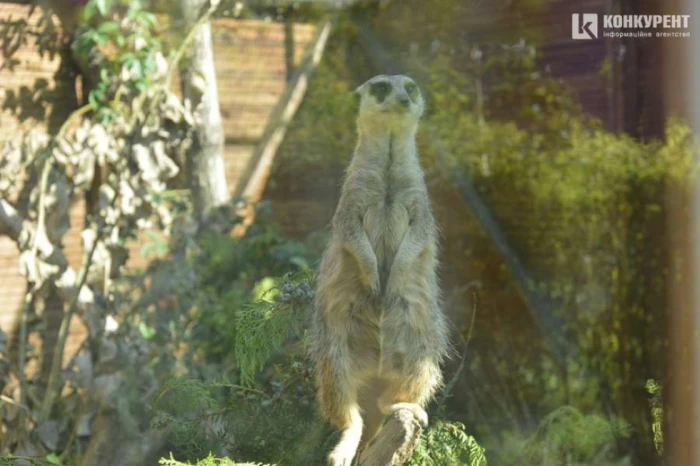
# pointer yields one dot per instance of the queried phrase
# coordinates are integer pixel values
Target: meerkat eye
(412, 91)
(380, 90)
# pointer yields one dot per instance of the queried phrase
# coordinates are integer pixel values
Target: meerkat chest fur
(383, 229)
(387, 172)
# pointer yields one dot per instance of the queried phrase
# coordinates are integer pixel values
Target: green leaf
(93, 99)
(134, 4)
(108, 28)
(136, 67)
(146, 248)
(100, 39)
(148, 18)
(103, 6)
(299, 262)
(88, 12)
(146, 331)
(127, 57)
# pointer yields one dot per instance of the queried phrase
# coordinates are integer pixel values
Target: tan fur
(378, 334)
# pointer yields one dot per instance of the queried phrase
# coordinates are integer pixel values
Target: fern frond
(208, 461)
(23, 460)
(447, 444)
(182, 394)
(262, 327)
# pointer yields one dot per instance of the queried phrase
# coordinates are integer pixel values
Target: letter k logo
(584, 28)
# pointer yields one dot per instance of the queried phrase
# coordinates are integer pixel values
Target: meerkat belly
(386, 223)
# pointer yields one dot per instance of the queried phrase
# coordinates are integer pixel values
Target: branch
(395, 443)
(52, 390)
(13, 225)
(175, 62)
(26, 235)
(22, 232)
(447, 391)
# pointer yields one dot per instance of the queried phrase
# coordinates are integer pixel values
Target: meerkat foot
(342, 454)
(346, 449)
(418, 412)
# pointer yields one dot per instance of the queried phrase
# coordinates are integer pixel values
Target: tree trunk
(205, 163)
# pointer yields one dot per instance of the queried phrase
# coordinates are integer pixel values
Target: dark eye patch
(412, 91)
(380, 90)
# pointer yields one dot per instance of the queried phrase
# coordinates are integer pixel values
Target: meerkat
(378, 334)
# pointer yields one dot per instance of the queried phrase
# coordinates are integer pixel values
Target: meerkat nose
(405, 101)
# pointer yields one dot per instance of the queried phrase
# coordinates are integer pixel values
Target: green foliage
(242, 324)
(233, 273)
(208, 461)
(566, 436)
(583, 206)
(503, 83)
(591, 239)
(657, 414)
(280, 424)
(48, 460)
(447, 444)
(191, 414)
(274, 423)
(118, 38)
(264, 325)
(157, 245)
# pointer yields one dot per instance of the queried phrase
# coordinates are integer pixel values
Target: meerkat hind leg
(372, 417)
(346, 449)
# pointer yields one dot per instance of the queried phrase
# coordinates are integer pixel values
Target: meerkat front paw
(415, 409)
(374, 286)
(341, 456)
(418, 412)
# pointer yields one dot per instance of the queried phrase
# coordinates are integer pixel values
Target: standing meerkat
(378, 333)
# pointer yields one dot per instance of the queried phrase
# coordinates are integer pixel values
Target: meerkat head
(389, 101)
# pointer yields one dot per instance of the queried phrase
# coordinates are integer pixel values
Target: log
(394, 444)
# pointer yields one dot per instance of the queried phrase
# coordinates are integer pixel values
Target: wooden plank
(253, 183)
